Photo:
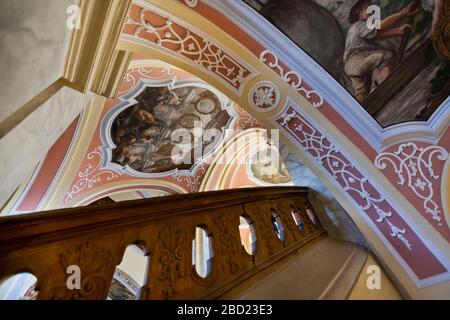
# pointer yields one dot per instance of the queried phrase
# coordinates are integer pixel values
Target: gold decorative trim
(108, 83)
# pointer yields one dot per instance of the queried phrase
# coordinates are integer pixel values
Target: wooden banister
(95, 238)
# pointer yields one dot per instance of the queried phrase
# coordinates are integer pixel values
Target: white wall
(33, 42)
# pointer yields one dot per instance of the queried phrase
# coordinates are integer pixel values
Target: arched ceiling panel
(284, 88)
(125, 145)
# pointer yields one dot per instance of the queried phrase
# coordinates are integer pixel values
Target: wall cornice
(93, 63)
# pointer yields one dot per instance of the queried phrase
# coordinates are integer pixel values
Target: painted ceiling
(236, 49)
(393, 181)
(395, 73)
(122, 148)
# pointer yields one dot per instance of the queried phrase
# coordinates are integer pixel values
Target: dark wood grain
(95, 238)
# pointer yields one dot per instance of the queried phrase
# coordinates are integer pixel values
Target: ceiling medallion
(264, 96)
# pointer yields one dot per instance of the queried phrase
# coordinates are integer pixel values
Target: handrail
(95, 238)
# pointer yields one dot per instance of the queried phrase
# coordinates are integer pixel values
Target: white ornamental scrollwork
(130, 79)
(292, 78)
(198, 49)
(191, 3)
(414, 167)
(246, 121)
(351, 180)
(193, 182)
(91, 175)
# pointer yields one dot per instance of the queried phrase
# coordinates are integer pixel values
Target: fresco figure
(398, 73)
(367, 61)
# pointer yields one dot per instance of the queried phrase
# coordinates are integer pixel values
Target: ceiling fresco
(127, 145)
(392, 70)
(143, 132)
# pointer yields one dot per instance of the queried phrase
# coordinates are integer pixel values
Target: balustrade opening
(130, 275)
(248, 234)
(297, 219)
(202, 252)
(21, 286)
(277, 225)
(311, 215)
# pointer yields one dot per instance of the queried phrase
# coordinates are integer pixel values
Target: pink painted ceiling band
(359, 188)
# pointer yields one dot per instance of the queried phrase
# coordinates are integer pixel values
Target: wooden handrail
(95, 238)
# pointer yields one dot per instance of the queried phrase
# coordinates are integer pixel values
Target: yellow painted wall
(362, 292)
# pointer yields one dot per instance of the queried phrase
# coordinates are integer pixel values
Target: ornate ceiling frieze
(415, 167)
(293, 78)
(382, 213)
(155, 28)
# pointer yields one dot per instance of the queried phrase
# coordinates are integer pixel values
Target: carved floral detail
(91, 175)
(266, 232)
(163, 32)
(227, 242)
(132, 77)
(172, 257)
(93, 262)
(292, 78)
(414, 167)
(328, 156)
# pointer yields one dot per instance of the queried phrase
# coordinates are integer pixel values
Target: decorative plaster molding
(296, 60)
(292, 78)
(191, 3)
(92, 62)
(91, 175)
(182, 39)
(246, 120)
(107, 82)
(379, 210)
(264, 96)
(131, 79)
(351, 180)
(414, 166)
(139, 78)
(193, 182)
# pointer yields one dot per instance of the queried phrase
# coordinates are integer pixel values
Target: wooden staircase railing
(95, 238)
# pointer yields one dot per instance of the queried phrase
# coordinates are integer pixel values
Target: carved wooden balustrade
(95, 238)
